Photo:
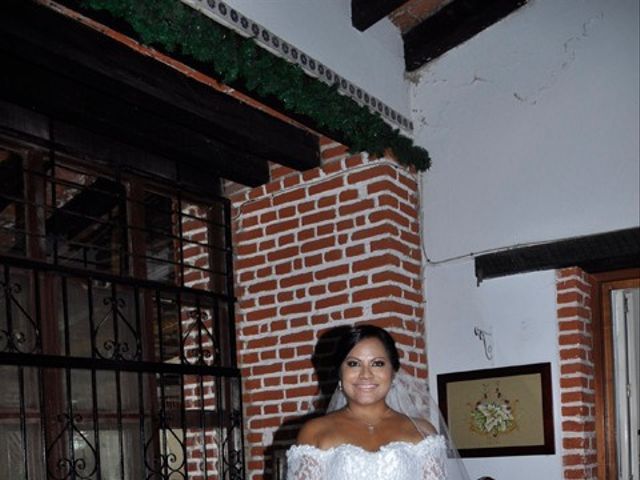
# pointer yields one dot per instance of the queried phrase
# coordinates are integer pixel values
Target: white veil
(409, 396)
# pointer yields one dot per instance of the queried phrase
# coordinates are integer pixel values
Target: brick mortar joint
(325, 266)
(579, 420)
(315, 269)
(290, 331)
(588, 322)
(367, 312)
(574, 303)
(578, 404)
(572, 374)
(587, 391)
(577, 316)
(573, 276)
(335, 278)
(584, 333)
(365, 242)
(330, 144)
(569, 435)
(577, 360)
(572, 332)
(328, 176)
(577, 451)
(586, 348)
(335, 208)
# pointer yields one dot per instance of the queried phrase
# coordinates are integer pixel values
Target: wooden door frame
(605, 414)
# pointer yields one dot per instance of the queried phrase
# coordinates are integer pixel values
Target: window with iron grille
(117, 343)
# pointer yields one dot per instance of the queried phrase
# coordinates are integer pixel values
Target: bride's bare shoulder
(315, 431)
(424, 426)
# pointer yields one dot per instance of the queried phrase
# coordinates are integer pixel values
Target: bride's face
(366, 373)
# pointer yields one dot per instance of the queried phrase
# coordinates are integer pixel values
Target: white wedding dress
(433, 458)
(425, 460)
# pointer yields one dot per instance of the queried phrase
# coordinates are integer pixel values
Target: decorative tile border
(222, 13)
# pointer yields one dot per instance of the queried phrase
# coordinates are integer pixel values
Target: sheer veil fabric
(409, 396)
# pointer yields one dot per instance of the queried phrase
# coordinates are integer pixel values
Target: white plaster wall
(519, 312)
(533, 129)
(373, 60)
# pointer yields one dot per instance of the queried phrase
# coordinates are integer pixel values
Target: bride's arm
(302, 464)
(434, 463)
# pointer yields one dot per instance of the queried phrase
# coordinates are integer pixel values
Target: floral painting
(493, 414)
(502, 411)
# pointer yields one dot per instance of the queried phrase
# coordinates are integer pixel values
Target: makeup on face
(366, 372)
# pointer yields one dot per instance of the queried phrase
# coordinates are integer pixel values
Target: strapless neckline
(397, 460)
(386, 446)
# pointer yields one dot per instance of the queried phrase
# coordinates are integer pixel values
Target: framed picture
(499, 411)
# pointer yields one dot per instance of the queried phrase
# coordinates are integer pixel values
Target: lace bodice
(395, 461)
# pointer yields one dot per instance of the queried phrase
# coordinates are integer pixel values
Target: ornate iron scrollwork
(116, 348)
(164, 463)
(207, 350)
(12, 340)
(71, 467)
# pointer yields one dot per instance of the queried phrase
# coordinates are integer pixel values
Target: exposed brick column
(330, 246)
(577, 374)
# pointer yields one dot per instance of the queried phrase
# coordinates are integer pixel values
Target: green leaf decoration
(176, 28)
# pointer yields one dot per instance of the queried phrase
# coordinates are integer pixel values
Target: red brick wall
(330, 246)
(577, 374)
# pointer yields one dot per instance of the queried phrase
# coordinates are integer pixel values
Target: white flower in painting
(493, 418)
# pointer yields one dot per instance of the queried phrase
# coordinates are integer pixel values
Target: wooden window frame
(606, 440)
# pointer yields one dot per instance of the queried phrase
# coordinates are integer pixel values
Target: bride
(379, 425)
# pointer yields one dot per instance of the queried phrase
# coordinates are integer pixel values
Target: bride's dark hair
(356, 334)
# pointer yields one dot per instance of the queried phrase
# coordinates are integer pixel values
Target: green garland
(177, 28)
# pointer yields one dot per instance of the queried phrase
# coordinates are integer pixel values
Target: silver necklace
(370, 426)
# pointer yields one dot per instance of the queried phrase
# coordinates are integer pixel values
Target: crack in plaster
(570, 47)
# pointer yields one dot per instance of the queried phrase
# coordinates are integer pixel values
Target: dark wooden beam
(365, 13)
(71, 101)
(65, 49)
(594, 253)
(452, 25)
(45, 133)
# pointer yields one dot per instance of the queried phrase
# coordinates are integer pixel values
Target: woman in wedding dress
(379, 425)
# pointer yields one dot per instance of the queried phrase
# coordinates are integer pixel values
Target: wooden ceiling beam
(93, 62)
(452, 25)
(593, 253)
(110, 114)
(365, 13)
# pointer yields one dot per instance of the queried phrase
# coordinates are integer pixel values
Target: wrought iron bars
(151, 411)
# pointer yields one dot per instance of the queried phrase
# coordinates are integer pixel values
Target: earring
(340, 385)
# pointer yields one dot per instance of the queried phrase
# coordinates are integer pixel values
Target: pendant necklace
(370, 426)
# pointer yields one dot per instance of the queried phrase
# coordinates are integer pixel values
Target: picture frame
(499, 411)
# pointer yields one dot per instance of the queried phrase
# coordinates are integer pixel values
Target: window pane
(167, 329)
(20, 423)
(161, 239)
(129, 465)
(85, 219)
(12, 214)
